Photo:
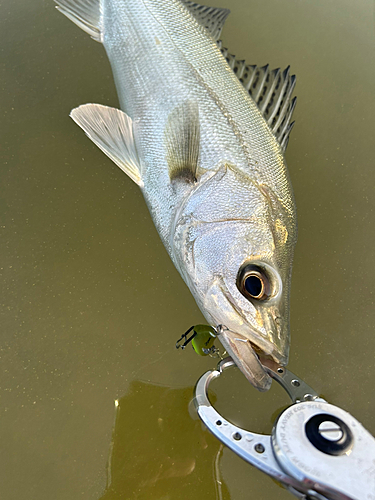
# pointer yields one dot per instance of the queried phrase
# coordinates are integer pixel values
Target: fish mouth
(247, 356)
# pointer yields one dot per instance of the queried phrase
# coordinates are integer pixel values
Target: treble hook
(187, 340)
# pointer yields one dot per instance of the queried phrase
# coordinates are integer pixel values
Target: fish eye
(253, 282)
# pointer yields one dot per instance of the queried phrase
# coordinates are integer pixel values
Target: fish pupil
(254, 285)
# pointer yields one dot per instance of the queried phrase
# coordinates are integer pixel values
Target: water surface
(91, 304)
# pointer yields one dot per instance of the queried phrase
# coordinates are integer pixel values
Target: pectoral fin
(182, 141)
(112, 131)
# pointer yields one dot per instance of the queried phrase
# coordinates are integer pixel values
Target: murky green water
(91, 304)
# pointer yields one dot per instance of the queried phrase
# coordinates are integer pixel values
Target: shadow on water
(156, 455)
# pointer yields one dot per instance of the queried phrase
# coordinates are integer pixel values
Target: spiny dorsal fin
(86, 14)
(112, 131)
(212, 18)
(182, 140)
(271, 90)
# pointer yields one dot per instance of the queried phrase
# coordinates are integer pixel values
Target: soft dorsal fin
(86, 14)
(271, 90)
(112, 131)
(212, 18)
(182, 141)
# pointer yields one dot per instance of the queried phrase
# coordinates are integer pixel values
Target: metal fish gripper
(316, 450)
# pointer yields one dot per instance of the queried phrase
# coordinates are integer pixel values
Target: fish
(203, 134)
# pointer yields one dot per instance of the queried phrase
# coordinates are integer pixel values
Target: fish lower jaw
(243, 354)
(249, 358)
(270, 353)
(275, 358)
(264, 348)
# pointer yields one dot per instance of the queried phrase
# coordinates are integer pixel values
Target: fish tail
(86, 14)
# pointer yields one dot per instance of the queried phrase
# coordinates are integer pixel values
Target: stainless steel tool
(316, 450)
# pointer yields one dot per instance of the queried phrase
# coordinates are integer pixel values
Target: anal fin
(112, 131)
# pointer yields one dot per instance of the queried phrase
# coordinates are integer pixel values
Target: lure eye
(253, 283)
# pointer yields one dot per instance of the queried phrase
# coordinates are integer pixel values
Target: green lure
(202, 339)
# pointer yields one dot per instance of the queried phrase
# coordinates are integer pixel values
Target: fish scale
(153, 109)
(210, 167)
(223, 86)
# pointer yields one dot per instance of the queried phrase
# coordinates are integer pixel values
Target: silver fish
(204, 136)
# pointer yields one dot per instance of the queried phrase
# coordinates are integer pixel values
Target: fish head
(244, 263)
(251, 300)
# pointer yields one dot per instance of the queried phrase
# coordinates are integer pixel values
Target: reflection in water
(156, 455)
